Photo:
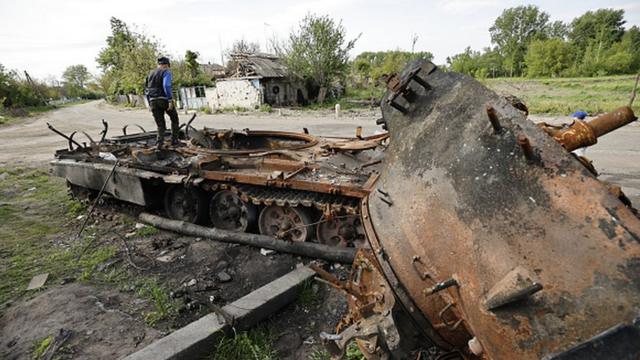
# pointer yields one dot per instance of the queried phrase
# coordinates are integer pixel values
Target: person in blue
(160, 96)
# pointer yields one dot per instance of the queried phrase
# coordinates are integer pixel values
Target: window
(199, 91)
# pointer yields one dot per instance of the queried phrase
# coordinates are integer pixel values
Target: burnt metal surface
(294, 186)
(461, 200)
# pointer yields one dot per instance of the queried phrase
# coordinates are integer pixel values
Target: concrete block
(198, 338)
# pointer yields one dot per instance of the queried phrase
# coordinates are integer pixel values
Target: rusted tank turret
(489, 239)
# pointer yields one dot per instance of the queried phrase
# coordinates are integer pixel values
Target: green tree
(126, 59)
(487, 63)
(371, 66)
(75, 78)
(604, 26)
(5, 87)
(631, 42)
(76, 75)
(514, 30)
(557, 30)
(191, 61)
(465, 62)
(16, 91)
(319, 52)
(548, 57)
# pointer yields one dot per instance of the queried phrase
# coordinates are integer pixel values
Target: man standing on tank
(160, 96)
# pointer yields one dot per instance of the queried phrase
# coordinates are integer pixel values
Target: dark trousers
(158, 108)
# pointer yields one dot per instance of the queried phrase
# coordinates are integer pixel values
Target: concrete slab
(198, 338)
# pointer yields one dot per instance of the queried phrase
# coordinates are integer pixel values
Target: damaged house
(195, 96)
(257, 79)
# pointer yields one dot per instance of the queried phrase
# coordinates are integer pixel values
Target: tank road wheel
(290, 223)
(185, 204)
(81, 193)
(227, 211)
(342, 231)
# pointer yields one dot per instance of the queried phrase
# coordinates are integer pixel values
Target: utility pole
(414, 40)
(221, 51)
(34, 87)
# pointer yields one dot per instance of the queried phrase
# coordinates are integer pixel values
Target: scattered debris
(38, 281)
(223, 276)
(58, 341)
(221, 265)
(165, 258)
(266, 252)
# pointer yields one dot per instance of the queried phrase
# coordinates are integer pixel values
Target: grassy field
(558, 96)
(563, 96)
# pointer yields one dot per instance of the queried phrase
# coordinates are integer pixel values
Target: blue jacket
(158, 84)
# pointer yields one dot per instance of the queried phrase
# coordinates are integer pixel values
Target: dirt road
(616, 156)
(32, 143)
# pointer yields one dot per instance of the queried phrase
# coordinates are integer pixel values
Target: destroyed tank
(480, 235)
(294, 186)
(489, 238)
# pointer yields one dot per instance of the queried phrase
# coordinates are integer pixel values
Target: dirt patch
(104, 323)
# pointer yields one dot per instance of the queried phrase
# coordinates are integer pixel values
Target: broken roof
(259, 65)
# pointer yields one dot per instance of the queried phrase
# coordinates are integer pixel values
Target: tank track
(327, 203)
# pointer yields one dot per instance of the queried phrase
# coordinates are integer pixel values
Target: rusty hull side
(461, 201)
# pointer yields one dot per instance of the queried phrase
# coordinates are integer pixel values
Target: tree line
(526, 43)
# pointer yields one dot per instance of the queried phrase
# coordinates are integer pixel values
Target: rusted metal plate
(459, 201)
(125, 184)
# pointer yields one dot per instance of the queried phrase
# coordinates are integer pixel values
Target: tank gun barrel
(583, 133)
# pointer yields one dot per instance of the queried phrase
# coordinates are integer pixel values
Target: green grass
(231, 109)
(255, 344)
(30, 216)
(34, 239)
(34, 208)
(265, 108)
(364, 93)
(306, 294)
(147, 231)
(353, 352)
(41, 346)
(164, 306)
(319, 353)
(563, 96)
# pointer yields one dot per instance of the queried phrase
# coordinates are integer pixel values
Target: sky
(43, 37)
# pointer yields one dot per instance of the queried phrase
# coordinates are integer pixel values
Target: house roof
(262, 65)
(212, 67)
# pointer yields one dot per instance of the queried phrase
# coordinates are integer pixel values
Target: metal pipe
(493, 117)
(613, 120)
(523, 141)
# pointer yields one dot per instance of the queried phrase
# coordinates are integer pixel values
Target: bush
(265, 108)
